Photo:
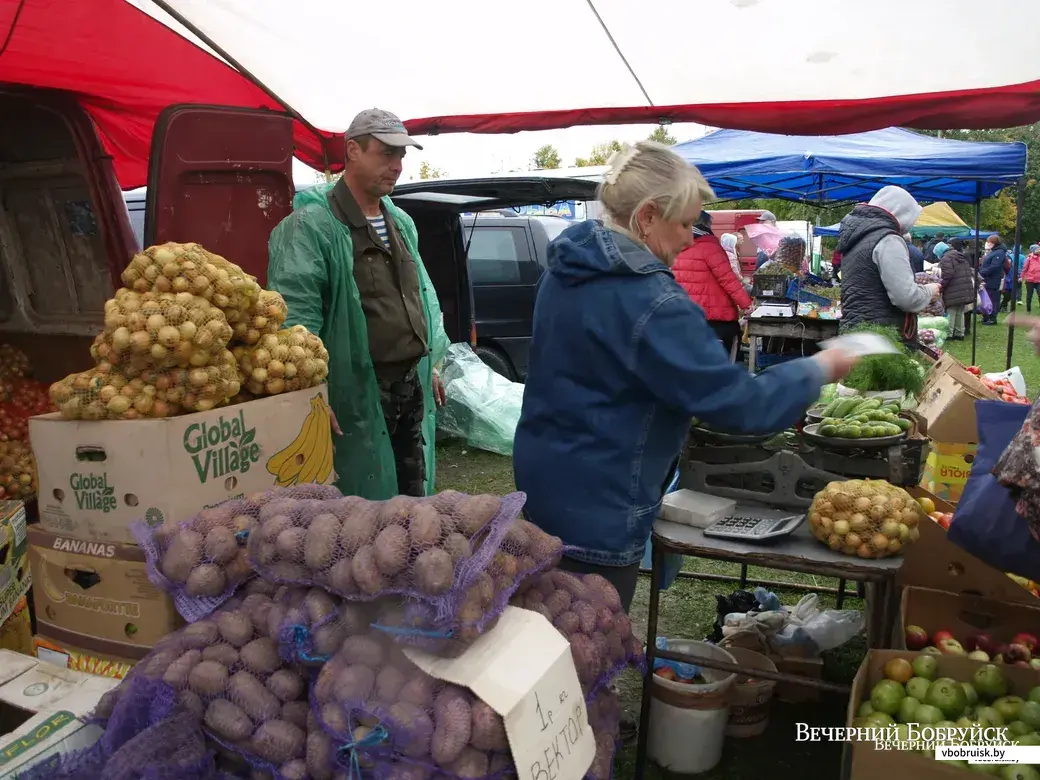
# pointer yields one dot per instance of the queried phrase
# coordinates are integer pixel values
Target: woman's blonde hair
(649, 172)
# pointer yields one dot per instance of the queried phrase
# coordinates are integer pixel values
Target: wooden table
(801, 328)
(797, 552)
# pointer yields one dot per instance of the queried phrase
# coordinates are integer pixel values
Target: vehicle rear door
(503, 272)
(221, 177)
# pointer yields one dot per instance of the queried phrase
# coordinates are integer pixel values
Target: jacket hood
(900, 204)
(956, 256)
(589, 250)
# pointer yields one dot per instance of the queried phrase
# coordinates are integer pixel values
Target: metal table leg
(752, 353)
(657, 555)
(840, 601)
(743, 576)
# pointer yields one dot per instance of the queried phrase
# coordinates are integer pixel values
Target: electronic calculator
(753, 529)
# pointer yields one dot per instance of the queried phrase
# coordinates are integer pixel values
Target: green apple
(1019, 772)
(886, 695)
(877, 720)
(945, 724)
(917, 687)
(1027, 739)
(966, 722)
(989, 716)
(1030, 714)
(948, 695)
(926, 666)
(1017, 728)
(1034, 695)
(907, 710)
(865, 709)
(989, 682)
(971, 693)
(1009, 707)
(985, 769)
(928, 715)
(932, 651)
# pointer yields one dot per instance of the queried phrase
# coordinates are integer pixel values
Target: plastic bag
(483, 407)
(1012, 375)
(682, 671)
(818, 630)
(984, 304)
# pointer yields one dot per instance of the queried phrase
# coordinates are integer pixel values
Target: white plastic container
(749, 702)
(688, 722)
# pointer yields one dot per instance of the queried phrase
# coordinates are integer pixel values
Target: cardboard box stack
(95, 607)
(15, 578)
(947, 405)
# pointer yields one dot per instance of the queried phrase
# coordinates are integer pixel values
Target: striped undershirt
(379, 223)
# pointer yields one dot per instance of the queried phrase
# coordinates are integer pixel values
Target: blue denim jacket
(621, 359)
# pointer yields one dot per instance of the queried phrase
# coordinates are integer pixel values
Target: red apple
(981, 642)
(1022, 663)
(916, 638)
(1016, 653)
(1029, 640)
(939, 636)
(950, 647)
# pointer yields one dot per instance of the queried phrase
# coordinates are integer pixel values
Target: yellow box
(947, 468)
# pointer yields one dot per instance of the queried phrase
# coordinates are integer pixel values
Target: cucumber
(828, 411)
(870, 405)
(891, 407)
(844, 406)
(903, 423)
(887, 429)
(828, 430)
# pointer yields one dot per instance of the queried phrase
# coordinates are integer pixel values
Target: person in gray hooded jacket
(877, 282)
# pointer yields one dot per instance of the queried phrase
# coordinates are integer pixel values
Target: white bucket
(749, 702)
(688, 722)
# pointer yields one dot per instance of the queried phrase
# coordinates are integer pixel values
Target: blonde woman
(621, 359)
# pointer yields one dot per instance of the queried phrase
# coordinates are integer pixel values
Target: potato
(365, 650)
(446, 501)
(222, 653)
(434, 572)
(603, 760)
(586, 614)
(208, 580)
(474, 512)
(199, 635)
(264, 553)
(261, 656)
(208, 679)
(424, 527)
(327, 638)
(227, 721)
(391, 550)
(323, 690)
(341, 578)
(277, 616)
(163, 534)
(358, 528)
(334, 719)
(159, 661)
(319, 752)
(418, 690)
(182, 556)
(277, 741)
(567, 623)
(603, 591)
(272, 526)
(558, 602)
(250, 694)
(318, 605)
(470, 765)
(177, 674)
(395, 511)
(235, 627)
(286, 684)
(238, 569)
(257, 607)
(354, 684)
(458, 547)
(290, 544)
(320, 543)
(517, 539)
(623, 626)
(294, 770)
(451, 732)
(585, 661)
(191, 702)
(296, 712)
(616, 655)
(366, 572)
(416, 724)
(605, 620)
(221, 545)
(354, 618)
(486, 727)
(389, 683)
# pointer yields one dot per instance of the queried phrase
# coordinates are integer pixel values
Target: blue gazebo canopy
(832, 170)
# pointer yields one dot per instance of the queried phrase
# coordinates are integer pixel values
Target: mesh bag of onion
(201, 561)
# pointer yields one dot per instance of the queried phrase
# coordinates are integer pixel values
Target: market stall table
(797, 552)
(801, 328)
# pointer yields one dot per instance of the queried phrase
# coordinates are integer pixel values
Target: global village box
(98, 477)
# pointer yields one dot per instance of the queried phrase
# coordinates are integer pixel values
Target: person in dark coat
(958, 286)
(916, 255)
(992, 269)
(929, 248)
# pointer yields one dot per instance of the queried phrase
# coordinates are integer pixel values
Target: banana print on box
(309, 457)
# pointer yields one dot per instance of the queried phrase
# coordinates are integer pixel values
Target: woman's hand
(836, 363)
(1033, 323)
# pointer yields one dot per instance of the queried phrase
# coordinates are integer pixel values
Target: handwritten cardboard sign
(523, 670)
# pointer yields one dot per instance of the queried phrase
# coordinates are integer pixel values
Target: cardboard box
(98, 589)
(43, 710)
(96, 478)
(15, 576)
(964, 615)
(947, 402)
(870, 763)
(83, 653)
(947, 469)
(792, 693)
(16, 632)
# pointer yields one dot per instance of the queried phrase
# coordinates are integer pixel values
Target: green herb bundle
(879, 373)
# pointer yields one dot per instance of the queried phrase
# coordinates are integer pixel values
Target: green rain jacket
(312, 265)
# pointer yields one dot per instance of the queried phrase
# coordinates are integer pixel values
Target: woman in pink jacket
(1031, 274)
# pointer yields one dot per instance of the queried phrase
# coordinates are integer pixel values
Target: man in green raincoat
(347, 263)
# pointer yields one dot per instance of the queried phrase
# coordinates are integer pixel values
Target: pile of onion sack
(301, 602)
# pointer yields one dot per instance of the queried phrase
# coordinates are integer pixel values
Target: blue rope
(375, 737)
(301, 639)
(242, 536)
(405, 631)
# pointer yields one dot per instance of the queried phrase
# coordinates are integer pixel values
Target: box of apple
(978, 647)
(914, 691)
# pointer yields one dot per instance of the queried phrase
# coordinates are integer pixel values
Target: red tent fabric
(140, 67)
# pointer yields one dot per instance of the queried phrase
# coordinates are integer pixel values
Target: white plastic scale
(773, 310)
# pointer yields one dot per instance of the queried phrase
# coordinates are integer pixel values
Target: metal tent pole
(1014, 267)
(975, 264)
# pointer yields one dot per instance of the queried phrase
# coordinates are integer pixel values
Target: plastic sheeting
(482, 407)
(849, 168)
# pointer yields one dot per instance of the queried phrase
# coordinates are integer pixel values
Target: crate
(770, 287)
(765, 361)
(796, 293)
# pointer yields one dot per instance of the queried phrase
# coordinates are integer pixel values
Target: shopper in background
(836, 265)
(765, 218)
(877, 284)
(916, 255)
(994, 266)
(704, 271)
(958, 286)
(1031, 274)
(621, 359)
(929, 248)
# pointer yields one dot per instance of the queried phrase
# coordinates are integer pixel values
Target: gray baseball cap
(381, 125)
(767, 216)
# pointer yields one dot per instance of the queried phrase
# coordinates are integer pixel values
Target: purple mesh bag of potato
(202, 561)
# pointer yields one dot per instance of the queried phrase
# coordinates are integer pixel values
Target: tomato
(974, 370)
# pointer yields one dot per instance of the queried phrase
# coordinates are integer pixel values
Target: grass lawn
(688, 610)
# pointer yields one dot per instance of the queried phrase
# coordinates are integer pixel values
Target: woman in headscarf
(731, 244)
